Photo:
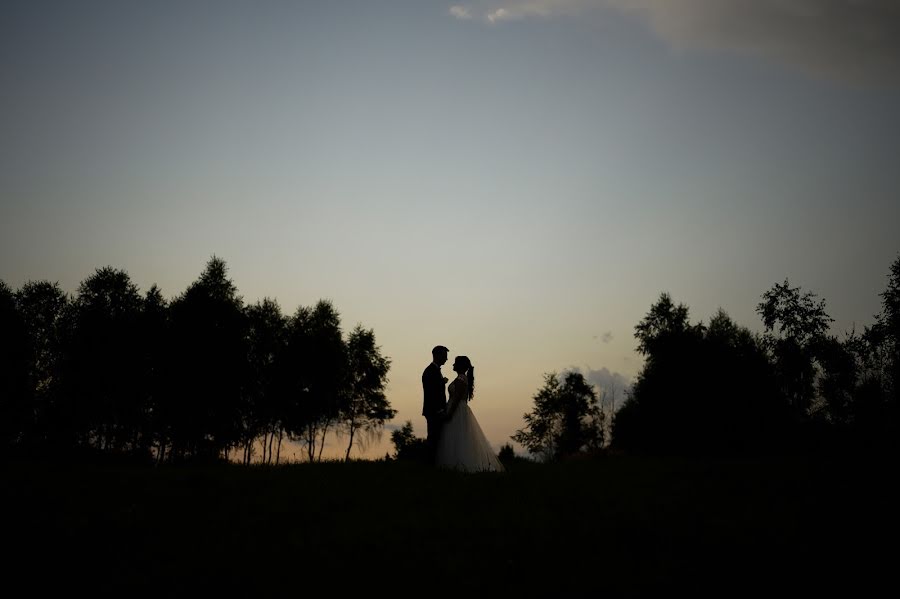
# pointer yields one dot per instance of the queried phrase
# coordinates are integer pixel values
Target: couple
(455, 440)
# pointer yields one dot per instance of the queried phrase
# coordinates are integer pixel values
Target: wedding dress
(462, 444)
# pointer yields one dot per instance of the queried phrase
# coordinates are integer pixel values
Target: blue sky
(517, 180)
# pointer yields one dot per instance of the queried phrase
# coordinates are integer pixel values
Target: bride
(462, 444)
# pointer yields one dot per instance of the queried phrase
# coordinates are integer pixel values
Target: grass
(621, 525)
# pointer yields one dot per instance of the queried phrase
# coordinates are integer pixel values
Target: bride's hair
(469, 371)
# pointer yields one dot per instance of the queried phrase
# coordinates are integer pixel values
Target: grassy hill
(616, 525)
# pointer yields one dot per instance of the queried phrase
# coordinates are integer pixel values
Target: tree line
(717, 388)
(201, 376)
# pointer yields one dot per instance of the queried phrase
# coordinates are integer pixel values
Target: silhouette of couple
(455, 440)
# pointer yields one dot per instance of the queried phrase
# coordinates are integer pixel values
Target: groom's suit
(435, 402)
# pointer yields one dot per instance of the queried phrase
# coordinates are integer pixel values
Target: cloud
(612, 386)
(837, 39)
(460, 12)
(501, 14)
(845, 39)
(494, 11)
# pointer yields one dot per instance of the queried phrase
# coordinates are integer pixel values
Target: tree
(15, 395)
(702, 390)
(366, 408)
(406, 445)
(266, 342)
(887, 331)
(313, 375)
(566, 418)
(652, 418)
(47, 316)
(104, 366)
(155, 349)
(507, 454)
(796, 324)
(876, 401)
(662, 323)
(209, 366)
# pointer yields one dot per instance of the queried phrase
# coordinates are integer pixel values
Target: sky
(517, 180)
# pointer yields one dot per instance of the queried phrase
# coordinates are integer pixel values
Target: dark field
(612, 525)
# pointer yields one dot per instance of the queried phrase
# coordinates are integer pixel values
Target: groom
(433, 387)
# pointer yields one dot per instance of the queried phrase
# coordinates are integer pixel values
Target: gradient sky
(518, 180)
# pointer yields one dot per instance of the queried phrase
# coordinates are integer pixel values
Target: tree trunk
(310, 442)
(350, 445)
(322, 446)
(278, 454)
(271, 440)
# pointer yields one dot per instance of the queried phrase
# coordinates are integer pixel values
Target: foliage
(703, 389)
(406, 445)
(209, 367)
(261, 416)
(365, 408)
(796, 326)
(46, 313)
(104, 382)
(314, 375)
(16, 401)
(566, 418)
(115, 372)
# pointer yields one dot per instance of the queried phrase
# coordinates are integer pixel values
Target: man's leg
(431, 442)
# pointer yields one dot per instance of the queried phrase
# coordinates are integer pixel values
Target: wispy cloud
(612, 386)
(835, 38)
(843, 39)
(461, 12)
(509, 10)
(501, 14)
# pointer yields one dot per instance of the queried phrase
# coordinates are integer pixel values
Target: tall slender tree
(266, 342)
(366, 408)
(155, 351)
(313, 374)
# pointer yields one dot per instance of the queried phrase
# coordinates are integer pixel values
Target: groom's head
(439, 354)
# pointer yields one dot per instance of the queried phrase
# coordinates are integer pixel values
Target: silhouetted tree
(365, 408)
(887, 332)
(738, 405)
(664, 323)
(209, 366)
(155, 366)
(46, 313)
(104, 374)
(796, 325)
(406, 445)
(507, 454)
(876, 401)
(15, 395)
(566, 418)
(313, 375)
(837, 382)
(701, 390)
(266, 342)
(651, 418)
